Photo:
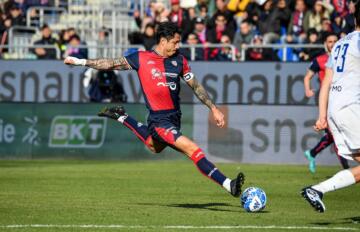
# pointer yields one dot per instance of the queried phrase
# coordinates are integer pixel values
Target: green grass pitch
(162, 196)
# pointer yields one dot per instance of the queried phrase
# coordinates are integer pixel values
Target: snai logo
(77, 132)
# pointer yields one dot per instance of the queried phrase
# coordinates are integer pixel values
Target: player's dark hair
(167, 30)
(357, 13)
(328, 34)
(44, 27)
(75, 36)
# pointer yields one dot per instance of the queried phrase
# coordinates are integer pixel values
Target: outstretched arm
(321, 123)
(100, 64)
(203, 96)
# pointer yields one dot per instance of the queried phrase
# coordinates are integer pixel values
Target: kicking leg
(341, 179)
(314, 194)
(190, 149)
(119, 114)
(207, 168)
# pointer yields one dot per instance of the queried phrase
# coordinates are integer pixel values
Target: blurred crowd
(230, 23)
(13, 13)
(248, 22)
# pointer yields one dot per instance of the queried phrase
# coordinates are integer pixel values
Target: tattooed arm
(107, 64)
(203, 96)
(200, 92)
(100, 64)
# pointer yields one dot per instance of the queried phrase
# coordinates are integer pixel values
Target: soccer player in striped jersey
(339, 109)
(160, 72)
(318, 66)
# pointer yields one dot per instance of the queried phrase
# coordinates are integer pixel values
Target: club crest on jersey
(173, 62)
(156, 73)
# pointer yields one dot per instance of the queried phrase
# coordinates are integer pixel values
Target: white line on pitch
(183, 227)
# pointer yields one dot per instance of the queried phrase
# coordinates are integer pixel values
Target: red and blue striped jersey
(160, 78)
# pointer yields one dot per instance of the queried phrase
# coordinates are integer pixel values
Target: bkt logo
(77, 132)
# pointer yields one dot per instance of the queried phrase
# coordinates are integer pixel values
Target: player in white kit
(339, 110)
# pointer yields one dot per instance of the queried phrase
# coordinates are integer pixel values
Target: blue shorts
(165, 127)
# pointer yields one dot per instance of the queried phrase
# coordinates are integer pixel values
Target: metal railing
(284, 48)
(89, 19)
(89, 16)
(94, 51)
(24, 51)
(21, 35)
(119, 23)
(109, 51)
(41, 10)
(193, 47)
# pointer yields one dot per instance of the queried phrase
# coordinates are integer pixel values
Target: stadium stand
(256, 29)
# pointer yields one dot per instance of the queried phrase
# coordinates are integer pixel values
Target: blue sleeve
(329, 63)
(315, 67)
(133, 60)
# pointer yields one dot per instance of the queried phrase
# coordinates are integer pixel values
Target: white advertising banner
(254, 82)
(226, 82)
(40, 81)
(260, 134)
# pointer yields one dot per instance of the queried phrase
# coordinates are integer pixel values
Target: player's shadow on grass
(209, 206)
(206, 206)
(349, 220)
(355, 220)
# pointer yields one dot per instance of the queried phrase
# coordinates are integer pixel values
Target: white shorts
(344, 125)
